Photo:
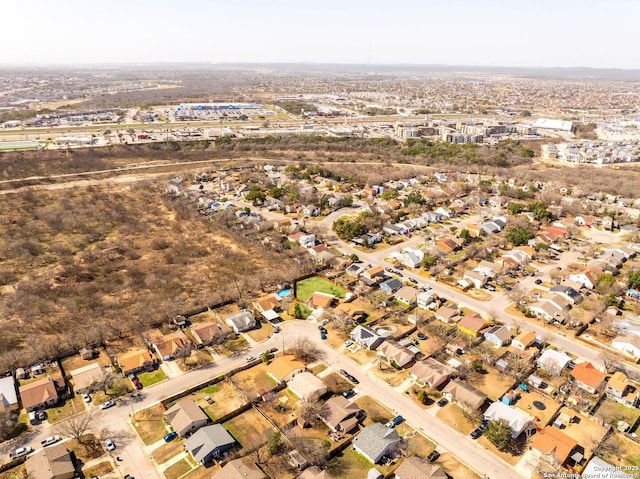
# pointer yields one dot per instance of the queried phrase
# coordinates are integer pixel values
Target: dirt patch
(390, 375)
(253, 380)
(90, 448)
(525, 403)
(75, 362)
(455, 468)
(167, 451)
(494, 384)
(583, 430)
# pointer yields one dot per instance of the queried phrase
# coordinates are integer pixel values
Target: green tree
(634, 279)
(276, 192)
(465, 234)
(499, 433)
(422, 396)
(518, 236)
(428, 261)
(515, 208)
(256, 195)
(391, 194)
(298, 313)
(274, 443)
(355, 258)
(415, 198)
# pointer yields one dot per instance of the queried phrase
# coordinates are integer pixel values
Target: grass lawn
(99, 469)
(376, 412)
(318, 368)
(349, 464)
(199, 472)
(249, 428)
(70, 408)
(494, 384)
(612, 412)
(453, 415)
(233, 345)
(14, 473)
(305, 288)
(225, 399)
(150, 424)
(416, 442)
(167, 451)
(389, 374)
(260, 334)
(151, 377)
(178, 469)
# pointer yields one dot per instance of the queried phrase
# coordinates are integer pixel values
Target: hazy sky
(471, 32)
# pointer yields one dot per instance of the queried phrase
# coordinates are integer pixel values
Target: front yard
(151, 377)
(253, 380)
(454, 416)
(376, 412)
(150, 424)
(71, 407)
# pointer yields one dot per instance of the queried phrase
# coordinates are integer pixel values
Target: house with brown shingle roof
(186, 417)
(210, 333)
(169, 346)
(414, 467)
(265, 303)
(395, 353)
(430, 372)
(321, 300)
(472, 324)
(241, 468)
(42, 393)
(340, 414)
(314, 472)
(554, 444)
(135, 361)
(464, 394)
(283, 368)
(587, 377)
(523, 340)
(53, 462)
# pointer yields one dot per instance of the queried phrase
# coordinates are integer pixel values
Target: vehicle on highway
(86, 398)
(395, 421)
(349, 376)
(20, 452)
(107, 404)
(442, 402)
(250, 358)
(170, 436)
(349, 393)
(110, 445)
(49, 440)
(433, 456)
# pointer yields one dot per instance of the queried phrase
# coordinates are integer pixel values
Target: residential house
(266, 303)
(475, 279)
(586, 220)
(374, 274)
(87, 377)
(186, 417)
(490, 227)
(519, 422)
(319, 299)
(88, 353)
(406, 295)
(395, 353)
(210, 333)
(365, 337)
(629, 344)
(425, 299)
(523, 340)
(414, 467)
(548, 311)
(553, 444)
(607, 223)
(587, 279)
(170, 346)
(464, 394)
(559, 301)
(376, 441)
(135, 361)
(53, 462)
(314, 472)
(567, 292)
(42, 393)
(431, 373)
(241, 468)
(554, 361)
(8, 394)
(208, 443)
(587, 377)
(340, 414)
(307, 386)
(444, 212)
(472, 324)
(411, 258)
(447, 314)
(356, 269)
(392, 229)
(390, 286)
(498, 335)
(284, 368)
(622, 390)
(475, 230)
(447, 245)
(241, 321)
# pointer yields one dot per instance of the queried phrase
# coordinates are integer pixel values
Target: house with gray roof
(376, 441)
(8, 394)
(365, 337)
(340, 414)
(208, 443)
(242, 321)
(52, 462)
(498, 335)
(186, 417)
(391, 285)
(567, 292)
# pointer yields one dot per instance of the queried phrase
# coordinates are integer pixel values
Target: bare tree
(76, 426)
(304, 350)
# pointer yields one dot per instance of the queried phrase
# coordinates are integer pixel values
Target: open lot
(261, 333)
(389, 374)
(376, 412)
(623, 451)
(150, 424)
(250, 429)
(453, 415)
(253, 380)
(455, 468)
(305, 288)
(612, 412)
(494, 384)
